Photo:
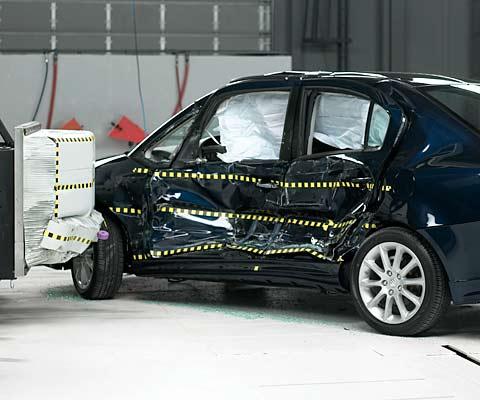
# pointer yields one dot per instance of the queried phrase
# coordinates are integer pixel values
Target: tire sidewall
(430, 270)
(91, 285)
(108, 264)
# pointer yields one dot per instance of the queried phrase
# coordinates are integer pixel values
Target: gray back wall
(431, 36)
(162, 25)
(98, 89)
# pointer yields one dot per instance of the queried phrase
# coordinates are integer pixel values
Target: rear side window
(379, 122)
(462, 99)
(346, 122)
(247, 126)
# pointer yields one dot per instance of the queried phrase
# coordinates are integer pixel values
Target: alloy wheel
(83, 269)
(392, 283)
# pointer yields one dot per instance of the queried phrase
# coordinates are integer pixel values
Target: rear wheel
(398, 283)
(97, 273)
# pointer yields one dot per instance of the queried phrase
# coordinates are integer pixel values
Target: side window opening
(340, 122)
(379, 122)
(247, 126)
(166, 148)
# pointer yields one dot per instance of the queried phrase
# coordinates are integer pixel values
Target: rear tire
(97, 274)
(398, 283)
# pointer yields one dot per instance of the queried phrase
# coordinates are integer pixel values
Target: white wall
(98, 89)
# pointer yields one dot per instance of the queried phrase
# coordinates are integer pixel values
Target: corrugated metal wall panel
(80, 18)
(181, 25)
(25, 17)
(148, 18)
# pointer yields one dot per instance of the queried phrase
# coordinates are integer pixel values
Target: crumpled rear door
(330, 198)
(322, 200)
(330, 186)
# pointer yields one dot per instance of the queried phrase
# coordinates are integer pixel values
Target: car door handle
(267, 185)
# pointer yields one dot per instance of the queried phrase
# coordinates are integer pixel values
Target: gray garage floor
(160, 340)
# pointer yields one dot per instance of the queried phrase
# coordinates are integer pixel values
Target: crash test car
(343, 182)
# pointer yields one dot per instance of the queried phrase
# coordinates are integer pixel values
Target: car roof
(414, 79)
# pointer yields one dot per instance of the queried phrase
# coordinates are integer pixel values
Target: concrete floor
(211, 341)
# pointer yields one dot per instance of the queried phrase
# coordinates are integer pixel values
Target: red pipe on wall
(181, 87)
(53, 93)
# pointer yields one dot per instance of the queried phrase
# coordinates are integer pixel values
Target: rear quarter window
(462, 99)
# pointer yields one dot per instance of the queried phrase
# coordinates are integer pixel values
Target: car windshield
(462, 99)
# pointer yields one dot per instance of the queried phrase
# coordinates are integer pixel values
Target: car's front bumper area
(458, 247)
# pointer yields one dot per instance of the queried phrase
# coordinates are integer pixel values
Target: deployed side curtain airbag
(340, 120)
(378, 126)
(251, 126)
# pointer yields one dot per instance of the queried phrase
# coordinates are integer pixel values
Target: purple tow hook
(103, 235)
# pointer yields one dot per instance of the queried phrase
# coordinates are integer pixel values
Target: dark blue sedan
(343, 182)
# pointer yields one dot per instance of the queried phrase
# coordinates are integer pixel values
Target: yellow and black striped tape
(141, 257)
(126, 210)
(57, 179)
(291, 250)
(252, 179)
(60, 238)
(296, 250)
(57, 186)
(74, 186)
(217, 246)
(182, 250)
(330, 185)
(75, 139)
(286, 250)
(325, 225)
(385, 188)
(318, 185)
(205, 176)
(248, 249)
(370, 226)
(141, 171)
(217, 214)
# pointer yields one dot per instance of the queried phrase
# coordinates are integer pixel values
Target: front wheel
(398, 283)
(97, 273)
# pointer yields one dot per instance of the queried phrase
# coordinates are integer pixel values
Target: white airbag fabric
(340, 120)
(251, 126)
(378, 126)
(59, 195)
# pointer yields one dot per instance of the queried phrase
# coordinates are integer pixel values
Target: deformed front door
(218, 198)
